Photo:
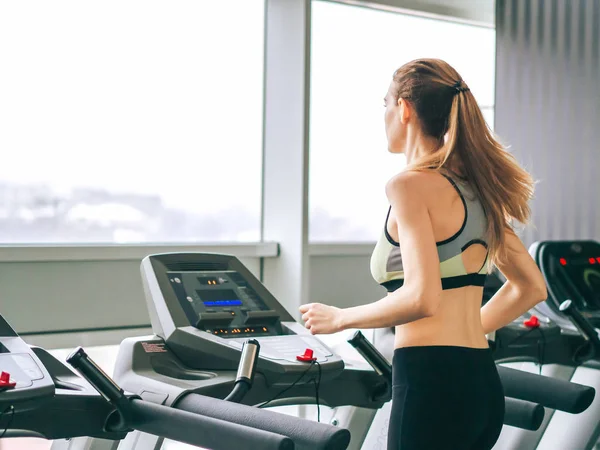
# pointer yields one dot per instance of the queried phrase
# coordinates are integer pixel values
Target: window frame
(269, 245)
(128, 252)
(284, 253)
(40, 251)
(463, 11)
(431, 11)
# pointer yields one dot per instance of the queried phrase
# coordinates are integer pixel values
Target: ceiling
(478, 11)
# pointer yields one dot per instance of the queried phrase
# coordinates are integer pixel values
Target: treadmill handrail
(549, 392)
(201, 430)
(523, 414)
(306, 434)
(377, 361)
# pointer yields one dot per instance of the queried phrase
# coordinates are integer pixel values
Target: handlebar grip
(245, 373)
(200, 430)
(250, 351)
(549, 392)
(523, 414)
(95, 376)
(306, 434)
(372, 356)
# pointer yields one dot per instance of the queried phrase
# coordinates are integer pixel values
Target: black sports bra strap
(389, 238)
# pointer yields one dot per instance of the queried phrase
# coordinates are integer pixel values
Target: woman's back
(457, 320)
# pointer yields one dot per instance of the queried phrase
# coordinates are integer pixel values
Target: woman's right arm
(525, 287)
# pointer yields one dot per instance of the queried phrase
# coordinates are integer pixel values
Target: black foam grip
(201, 431)
(89, 370)
(549, 392)
(586, 328)
(523, 414)
(372, 355)
(306, 434)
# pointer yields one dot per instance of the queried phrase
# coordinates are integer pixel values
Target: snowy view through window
(131, 120)
(141, 121)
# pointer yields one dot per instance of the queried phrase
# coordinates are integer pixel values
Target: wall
(343, 278)
(547, 108)
(100, 297)
(57, 296)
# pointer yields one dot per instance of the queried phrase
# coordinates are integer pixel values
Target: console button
(261, 317)
(212, 320)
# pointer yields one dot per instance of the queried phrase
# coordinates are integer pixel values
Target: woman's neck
(419, 145)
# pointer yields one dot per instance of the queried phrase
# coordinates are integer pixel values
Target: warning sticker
(154, 348)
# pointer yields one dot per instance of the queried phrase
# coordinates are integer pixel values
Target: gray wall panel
(343, 281)
(65, 295)
(547, 108)
(57, 296)
(61, 296)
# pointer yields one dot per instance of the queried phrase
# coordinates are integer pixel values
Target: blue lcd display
(223, 303)
(219, 297)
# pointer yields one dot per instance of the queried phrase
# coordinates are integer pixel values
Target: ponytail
(502, 186)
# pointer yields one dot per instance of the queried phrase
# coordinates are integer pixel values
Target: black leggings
(445, 397)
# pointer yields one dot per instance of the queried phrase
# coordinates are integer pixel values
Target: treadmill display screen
(219, 297)
(223, 303)
(584, 276)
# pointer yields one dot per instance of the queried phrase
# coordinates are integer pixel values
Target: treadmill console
(571, 270)
(24, 377)
(224, 304)
(205, 306)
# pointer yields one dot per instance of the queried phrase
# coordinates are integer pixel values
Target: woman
(449, 221)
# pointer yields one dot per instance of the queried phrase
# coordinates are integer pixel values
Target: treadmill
(572, 273)
(206, 309)
(42, 397)
(558, 339)
(529, 347)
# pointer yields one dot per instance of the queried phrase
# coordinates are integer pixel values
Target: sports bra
(386, 260)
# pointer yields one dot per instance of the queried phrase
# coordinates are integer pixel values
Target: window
(354, 54)
(131, 120)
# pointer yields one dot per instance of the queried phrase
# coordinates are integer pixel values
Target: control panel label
(153, 347)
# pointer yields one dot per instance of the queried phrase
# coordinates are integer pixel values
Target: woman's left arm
(419, 297)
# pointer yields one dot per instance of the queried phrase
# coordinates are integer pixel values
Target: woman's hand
(322, 319)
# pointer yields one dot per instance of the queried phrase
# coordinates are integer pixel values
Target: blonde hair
(448, 111)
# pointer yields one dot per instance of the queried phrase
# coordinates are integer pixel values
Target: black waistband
(423, 365)
(472, 279)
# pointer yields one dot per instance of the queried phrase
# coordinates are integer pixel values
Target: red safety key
(307, 357)
(532, 322)
(5, 381)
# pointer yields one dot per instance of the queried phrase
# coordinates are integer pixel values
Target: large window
(131, 120)
(354, 54)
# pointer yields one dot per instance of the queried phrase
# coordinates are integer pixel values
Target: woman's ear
(405, 110)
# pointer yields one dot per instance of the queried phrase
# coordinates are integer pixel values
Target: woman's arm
(525, 287)
(420, 295)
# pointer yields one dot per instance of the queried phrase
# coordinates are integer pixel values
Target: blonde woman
(447, 224)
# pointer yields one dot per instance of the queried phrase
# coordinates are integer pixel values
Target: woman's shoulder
(413, 182)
